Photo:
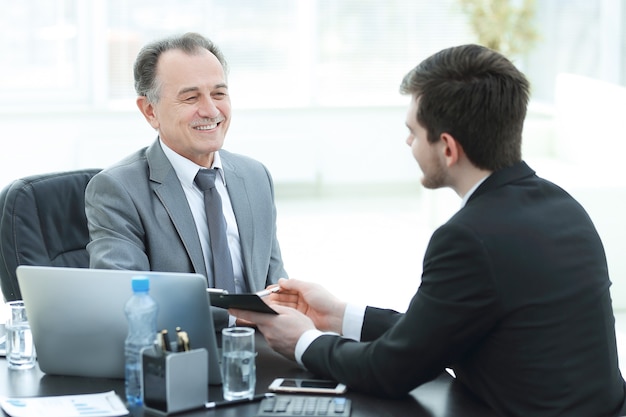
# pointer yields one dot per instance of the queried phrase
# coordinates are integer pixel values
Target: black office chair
(42, 222)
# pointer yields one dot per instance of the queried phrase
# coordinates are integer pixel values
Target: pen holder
(175, 382)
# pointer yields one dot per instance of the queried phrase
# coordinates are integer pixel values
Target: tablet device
(250, 302)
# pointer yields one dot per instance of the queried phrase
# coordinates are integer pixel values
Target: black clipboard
(250, 302)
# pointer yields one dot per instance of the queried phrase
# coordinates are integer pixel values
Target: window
(42, 52)
(72, 54)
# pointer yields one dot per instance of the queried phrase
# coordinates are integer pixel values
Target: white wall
(590, 125)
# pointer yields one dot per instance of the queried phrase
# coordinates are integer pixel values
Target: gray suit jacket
(139, 219)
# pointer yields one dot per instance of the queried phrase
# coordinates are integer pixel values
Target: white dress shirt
(186, 171)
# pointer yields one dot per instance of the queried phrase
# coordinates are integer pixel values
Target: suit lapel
(168, 190)
(239, 199)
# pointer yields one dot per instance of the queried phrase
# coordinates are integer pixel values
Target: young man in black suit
(515, 288)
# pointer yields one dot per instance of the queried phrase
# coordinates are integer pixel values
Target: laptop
(78, 322)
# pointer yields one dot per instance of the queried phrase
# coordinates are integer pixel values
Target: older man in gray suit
(147, 213)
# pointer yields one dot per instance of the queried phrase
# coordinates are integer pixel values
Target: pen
(216, 290)
(182, 340)
(265, 293)
(165, 341)
(255, 398)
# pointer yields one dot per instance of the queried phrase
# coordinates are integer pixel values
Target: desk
(439, 398)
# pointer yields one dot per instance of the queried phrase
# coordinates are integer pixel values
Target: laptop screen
(78, 322)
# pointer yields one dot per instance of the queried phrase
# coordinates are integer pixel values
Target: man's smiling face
(193, 113)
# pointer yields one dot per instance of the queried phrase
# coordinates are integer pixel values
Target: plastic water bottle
(141, 312)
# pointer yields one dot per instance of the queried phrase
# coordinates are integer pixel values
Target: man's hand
(313, 300)
(281, 331)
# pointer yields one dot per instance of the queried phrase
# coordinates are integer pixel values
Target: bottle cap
(141, 283)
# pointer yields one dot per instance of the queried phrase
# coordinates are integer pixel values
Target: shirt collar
(471, 191)
(185, 169)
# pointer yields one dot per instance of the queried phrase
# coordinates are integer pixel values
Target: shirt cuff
(304, 342)
(353, 321)
(351, 328)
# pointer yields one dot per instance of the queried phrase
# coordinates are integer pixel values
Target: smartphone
(313, 386)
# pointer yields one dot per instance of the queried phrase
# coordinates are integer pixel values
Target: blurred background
(314, 89)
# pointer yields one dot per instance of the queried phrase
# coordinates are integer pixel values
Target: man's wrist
(304, 342)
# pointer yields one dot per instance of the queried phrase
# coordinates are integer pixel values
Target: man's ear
(452, 150)
(147, 109)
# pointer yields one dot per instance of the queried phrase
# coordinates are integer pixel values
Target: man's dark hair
(476, 95)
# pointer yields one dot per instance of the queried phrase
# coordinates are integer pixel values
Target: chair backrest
(42, 222)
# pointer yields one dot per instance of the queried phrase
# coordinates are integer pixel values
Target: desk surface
(439, 398)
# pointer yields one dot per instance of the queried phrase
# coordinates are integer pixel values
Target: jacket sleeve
(115, 226)
(453, 309)
(276, 267)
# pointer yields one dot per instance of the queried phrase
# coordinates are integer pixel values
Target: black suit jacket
(514, 298)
